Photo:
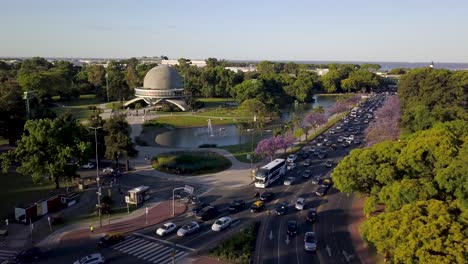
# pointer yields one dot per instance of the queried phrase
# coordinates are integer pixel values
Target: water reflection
(223, 135)
(226, 135)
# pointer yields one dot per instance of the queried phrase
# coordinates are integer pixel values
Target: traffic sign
(188, 189)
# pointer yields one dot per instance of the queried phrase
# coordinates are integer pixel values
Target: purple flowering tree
(345, 104)
(315, 120)
(387, 122)
(267, 147)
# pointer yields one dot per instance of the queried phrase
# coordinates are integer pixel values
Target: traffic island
(239, 247)
(193, 163)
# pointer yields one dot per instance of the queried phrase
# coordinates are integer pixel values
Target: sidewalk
(157, 213)
(356, 218)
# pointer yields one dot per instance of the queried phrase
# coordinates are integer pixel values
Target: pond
(222, 135)
(226, 135)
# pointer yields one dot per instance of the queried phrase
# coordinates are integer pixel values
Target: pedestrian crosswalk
(151, 250)
(6, 254)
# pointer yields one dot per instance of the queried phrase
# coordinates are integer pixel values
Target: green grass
(214, 102)
(190, 163)
(3, 141)
(114, 105)
(240, 152)
(18, 189)
(79, 107)
(191, 121)
(239, 247)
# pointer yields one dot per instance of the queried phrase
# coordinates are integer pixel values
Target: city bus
(269, 173)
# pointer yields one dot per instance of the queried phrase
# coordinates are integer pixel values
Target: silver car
(310, 243)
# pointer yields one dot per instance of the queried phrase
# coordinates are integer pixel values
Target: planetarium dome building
(161, 84)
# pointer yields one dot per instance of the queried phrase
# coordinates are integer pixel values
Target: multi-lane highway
(273, 243)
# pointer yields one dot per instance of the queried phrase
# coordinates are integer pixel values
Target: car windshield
(261, 173)
(84, 259)
(166, 227)
(218, 222)
(292, 225)
(309, 239)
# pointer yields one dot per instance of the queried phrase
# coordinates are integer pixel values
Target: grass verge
(79, 107)
(190, 163)
(239, 247)
(241, 151)
(190, 121)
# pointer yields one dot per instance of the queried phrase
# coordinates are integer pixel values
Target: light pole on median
(97, 175)
(173, 199)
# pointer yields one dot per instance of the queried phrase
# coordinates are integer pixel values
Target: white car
(291, 166)
(221, 224)
(108, 170)
(167, 228)
(291, 158)
(188, 229)
(340, 139)
(300, 203)
(289, 180)
(91, 259)
(310, 243)
(89, 165)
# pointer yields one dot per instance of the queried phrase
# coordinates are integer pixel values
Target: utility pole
(107, 86)
(97, 176)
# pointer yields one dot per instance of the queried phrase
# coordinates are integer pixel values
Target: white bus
(269, 173)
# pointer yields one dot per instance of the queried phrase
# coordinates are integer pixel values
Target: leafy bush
(190, 163)
(238, 248)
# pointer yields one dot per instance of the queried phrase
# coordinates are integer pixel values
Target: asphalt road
(273, 245)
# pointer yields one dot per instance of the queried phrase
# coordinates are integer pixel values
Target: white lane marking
(347, 257)
(271, 235)
(328, 251)
(143, 250)
(131, 244)
(124, 243)
(279, 235)
(297, 251)
(164, 241)
(151, 251)
(133, 247)
(287, 240)
(160, 254)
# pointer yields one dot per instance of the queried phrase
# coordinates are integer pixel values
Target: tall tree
(46, 147)
(12, 111)
(118, 141)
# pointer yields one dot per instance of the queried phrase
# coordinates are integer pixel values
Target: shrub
(239, 247)
(190, 163)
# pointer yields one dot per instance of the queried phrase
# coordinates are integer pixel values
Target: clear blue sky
(346, 30)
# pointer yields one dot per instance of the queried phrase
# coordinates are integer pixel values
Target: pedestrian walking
(91, 229)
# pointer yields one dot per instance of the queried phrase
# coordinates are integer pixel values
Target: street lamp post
(107, 86)
(251, 130)
(97, 175)
(173, 199)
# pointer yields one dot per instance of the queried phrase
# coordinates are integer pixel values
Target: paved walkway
(157, 213)
(356, 218)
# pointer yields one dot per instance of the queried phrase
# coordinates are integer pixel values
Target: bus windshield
(261, 173)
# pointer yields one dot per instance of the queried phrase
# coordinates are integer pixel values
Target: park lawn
(3, 141)
(241, 151)
(18, 189)
(79, 107)
(214, 102)
(192, 121)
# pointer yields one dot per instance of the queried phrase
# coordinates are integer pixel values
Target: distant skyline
(359, 30)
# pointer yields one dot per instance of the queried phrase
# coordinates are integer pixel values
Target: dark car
(306, 174)
(311, 216)
(266, 196)
(292, 228)
(316, 179)
(30, 255)
(307, 162)
(236, 206)
(345, 144)
(329, 164)
(207, 213)
(333, 147)
(281, 209)
(321, 191)
(304, 155)
(110, 240)
(322, 155)
(199, 207)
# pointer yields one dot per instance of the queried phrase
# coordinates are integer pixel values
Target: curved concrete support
(179, 103)
(134, 100)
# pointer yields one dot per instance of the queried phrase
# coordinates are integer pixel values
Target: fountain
(210, 128)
